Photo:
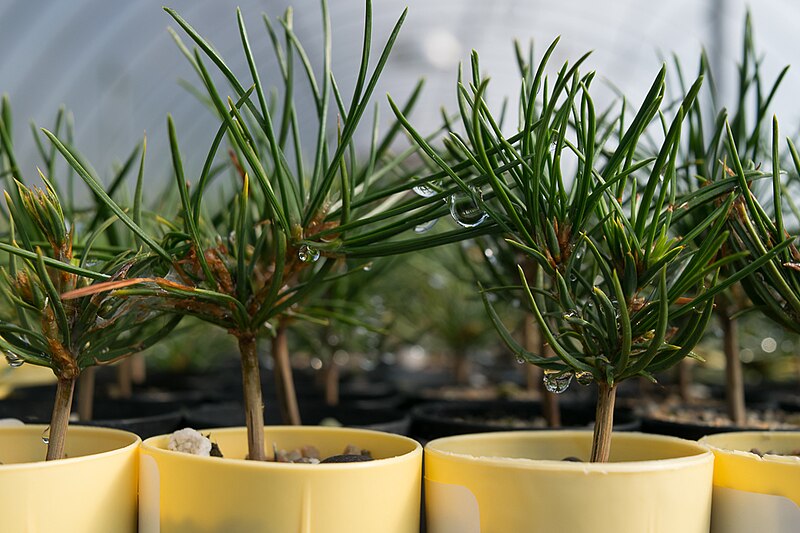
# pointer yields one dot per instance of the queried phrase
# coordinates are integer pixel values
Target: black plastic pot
(766, 394)
(143, 394)
(365, 394)
(144, 419)
(410, 382)
(30, 411)
(699, 429)
(231, 414)
(444, 419)
(35, 393)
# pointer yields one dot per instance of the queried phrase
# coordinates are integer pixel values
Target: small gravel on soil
(311, 455)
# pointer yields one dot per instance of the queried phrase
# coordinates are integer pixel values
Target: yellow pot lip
(38, 429)
(697, 454)
(157, 446)
(755, 438)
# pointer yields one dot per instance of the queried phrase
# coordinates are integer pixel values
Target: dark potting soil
(311, 455)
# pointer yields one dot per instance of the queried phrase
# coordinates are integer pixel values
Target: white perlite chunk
(188, 440)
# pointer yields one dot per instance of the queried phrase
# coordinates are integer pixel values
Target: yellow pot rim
(38, 429)
(697, 453)
(712, 441)
(157, 446)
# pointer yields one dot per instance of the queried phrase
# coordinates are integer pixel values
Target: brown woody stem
(284, 379)
(125, 377)
(734, 383)
(332, 383)
(86, 394)
(138, 368)
(550, 408)
(253, 402)
(550, 404)
(461, 368)
(604, 422)
(531, 342)
(60, 418)
(685, 379)
(533, 377)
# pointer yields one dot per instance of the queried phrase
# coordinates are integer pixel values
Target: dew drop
(46, 435)
(465, 211)
(557, 381)
(426, 190)
(520, 360)
(308, 254)
(584, 378)
(422, 228)
(14, 361)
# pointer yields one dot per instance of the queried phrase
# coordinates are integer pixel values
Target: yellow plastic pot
(751, 492)
(93, 490)
(517, 481)
(181, 493)
(24, 376)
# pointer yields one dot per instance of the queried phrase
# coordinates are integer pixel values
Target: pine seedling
(252, 267)
(622, 294)
(46, 257)
(704, 163)
(758, 226)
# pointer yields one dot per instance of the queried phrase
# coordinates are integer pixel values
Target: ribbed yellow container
(182, 493)
(93, 490)
(753, 492)
(518, 482)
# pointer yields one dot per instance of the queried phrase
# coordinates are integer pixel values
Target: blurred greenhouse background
(115, 66)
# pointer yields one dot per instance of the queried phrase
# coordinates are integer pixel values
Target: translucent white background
(114, 65)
